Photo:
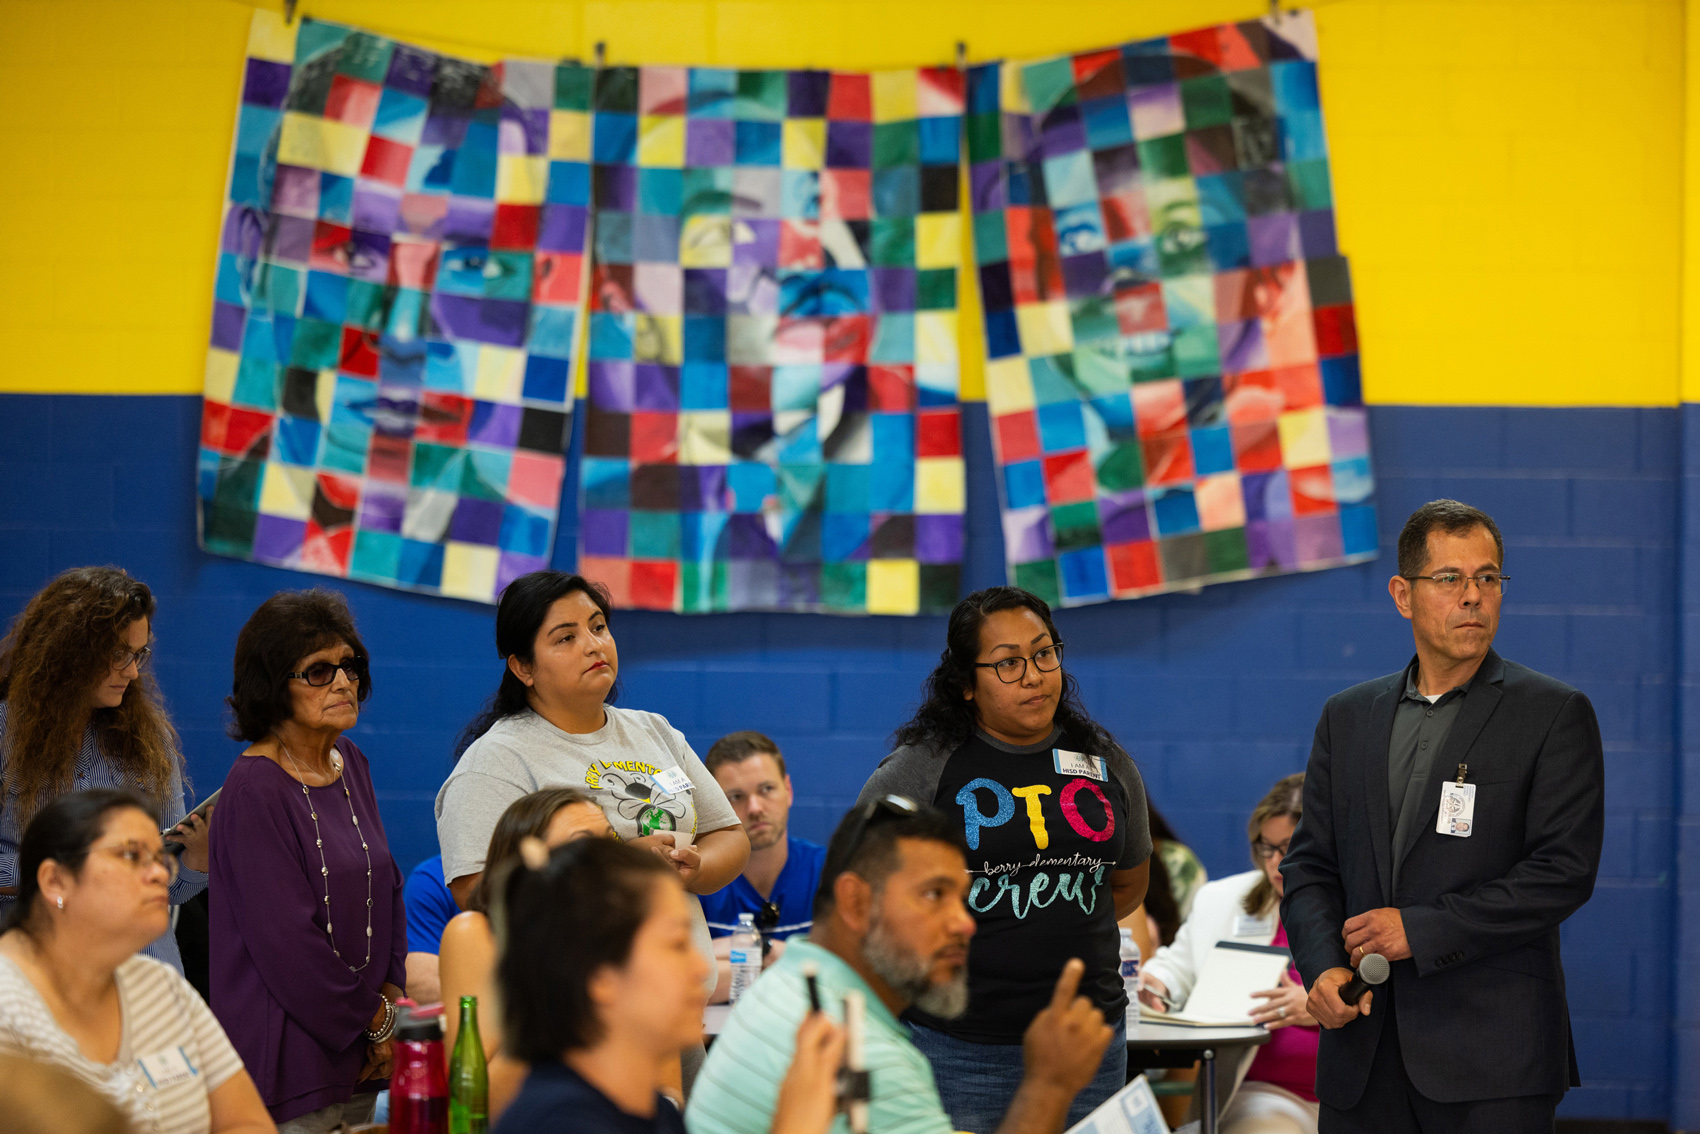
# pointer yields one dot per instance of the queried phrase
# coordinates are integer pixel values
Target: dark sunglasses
(324, 672)
(881, 809)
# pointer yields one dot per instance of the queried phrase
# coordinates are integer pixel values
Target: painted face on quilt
(1017, 712)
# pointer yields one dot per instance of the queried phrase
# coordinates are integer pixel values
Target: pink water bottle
(419, 1081)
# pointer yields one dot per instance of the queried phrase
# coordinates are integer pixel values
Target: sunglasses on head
(884, 808)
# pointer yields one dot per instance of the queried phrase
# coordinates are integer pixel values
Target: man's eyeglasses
(1451, 582)
(1013, 669)
(1265, 850)
(124, 655)
(324, 672)
(139, 858)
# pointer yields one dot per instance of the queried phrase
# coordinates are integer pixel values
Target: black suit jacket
(1480, 1004)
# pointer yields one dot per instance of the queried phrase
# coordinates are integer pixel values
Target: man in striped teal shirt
(890, 923)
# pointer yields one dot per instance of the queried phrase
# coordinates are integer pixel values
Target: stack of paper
(1223, 995)
(1131, 1110)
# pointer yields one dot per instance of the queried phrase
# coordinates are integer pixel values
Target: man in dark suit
(1453, 814)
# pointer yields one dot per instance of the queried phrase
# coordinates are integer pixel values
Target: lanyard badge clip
(1463, 770)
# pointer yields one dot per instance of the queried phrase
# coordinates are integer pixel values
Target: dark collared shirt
(1419, 731)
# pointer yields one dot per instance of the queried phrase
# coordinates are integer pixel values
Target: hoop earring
(61, 901)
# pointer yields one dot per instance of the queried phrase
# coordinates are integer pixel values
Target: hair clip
(533, 852)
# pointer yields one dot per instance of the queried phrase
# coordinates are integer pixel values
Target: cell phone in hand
(172, 846)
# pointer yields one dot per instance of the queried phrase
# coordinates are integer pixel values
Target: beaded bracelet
(387, 1028)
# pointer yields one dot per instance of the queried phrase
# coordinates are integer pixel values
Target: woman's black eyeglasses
(122, 656)
(324, 672)
(1013, 669)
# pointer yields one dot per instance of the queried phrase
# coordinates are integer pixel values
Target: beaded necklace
(324, 870)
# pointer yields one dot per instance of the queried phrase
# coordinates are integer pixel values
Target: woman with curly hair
(1055, 819)
(79, 710)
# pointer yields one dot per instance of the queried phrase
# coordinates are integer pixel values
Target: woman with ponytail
(79, 710)
(468, 952)
(600, 984)
(552, 723)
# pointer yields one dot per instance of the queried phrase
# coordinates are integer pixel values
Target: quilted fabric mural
(772, 419)
(1173, 372)
(388, 392)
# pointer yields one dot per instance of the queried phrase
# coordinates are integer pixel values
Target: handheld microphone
(1372, 970)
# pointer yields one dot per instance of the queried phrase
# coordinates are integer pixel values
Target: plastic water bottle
(1130, 971)
(419, 1086)
(746, 955)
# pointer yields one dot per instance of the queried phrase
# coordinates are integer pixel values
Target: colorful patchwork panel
(1172, 360)
(772, 417)
(388, 392)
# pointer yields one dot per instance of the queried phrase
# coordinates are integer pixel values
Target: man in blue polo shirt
(779, 882)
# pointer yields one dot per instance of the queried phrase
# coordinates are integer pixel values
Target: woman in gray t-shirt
(550, 725)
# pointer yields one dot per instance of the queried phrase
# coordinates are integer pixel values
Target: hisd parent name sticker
(1077, 764)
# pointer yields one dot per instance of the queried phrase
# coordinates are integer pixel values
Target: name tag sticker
(1457, 810)
(1247, 926)
(165, 1069)
(673, 781)
(1077, 764)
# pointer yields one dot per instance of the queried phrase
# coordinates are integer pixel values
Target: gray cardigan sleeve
(912, 770)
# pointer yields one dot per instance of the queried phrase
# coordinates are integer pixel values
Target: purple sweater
(294, 1011)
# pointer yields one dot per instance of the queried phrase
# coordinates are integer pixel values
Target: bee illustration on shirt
(639, 798)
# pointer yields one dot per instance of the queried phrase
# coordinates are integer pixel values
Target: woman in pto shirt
(1054, 814)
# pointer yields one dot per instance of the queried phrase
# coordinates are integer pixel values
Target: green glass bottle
(469, 1080)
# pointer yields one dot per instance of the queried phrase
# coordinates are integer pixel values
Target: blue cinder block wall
(1215, 694)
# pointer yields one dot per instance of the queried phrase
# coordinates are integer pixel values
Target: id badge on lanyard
(1457, 807)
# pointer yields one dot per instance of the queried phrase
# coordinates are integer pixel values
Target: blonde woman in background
(1277, 1090)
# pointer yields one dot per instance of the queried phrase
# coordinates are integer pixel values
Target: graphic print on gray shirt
(617, 766)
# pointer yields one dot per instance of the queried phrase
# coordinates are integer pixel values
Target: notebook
(1222, 997)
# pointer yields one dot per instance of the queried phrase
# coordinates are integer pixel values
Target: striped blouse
(94, 770)
(167, 1028)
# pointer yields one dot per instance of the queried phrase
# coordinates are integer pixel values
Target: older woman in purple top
(309, 936)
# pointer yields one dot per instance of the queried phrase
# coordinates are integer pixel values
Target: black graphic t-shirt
(1046, 826)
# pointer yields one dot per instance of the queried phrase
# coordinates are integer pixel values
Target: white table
(714, 1019)
(1203, 1043)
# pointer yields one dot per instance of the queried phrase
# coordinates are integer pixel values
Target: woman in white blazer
(1276, 1091)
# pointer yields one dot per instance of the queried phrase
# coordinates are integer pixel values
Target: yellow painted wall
(1508, 173)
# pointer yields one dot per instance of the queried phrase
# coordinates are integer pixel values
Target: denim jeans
(976, 1081)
